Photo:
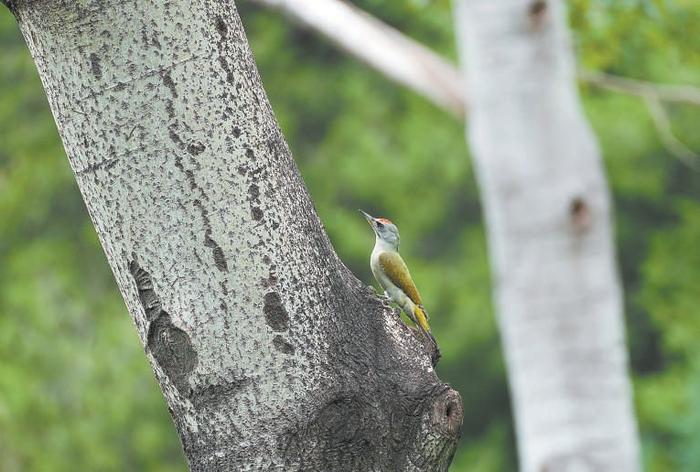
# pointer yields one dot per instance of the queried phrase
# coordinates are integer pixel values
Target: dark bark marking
(236, 131)
(217, 253)
(196, 148)
(221, 27)
(190, 178)
(270, 281)
(249, 153)
(169, 345)
(254, 193)
(170, 109)
(282, 345)
(537, 12)
(256, 213)
(212, 395)
(276, 315)
(172, 349)
(580, 214)
(222, 30)
(227, 69)
(174, 137)
(168, 82)
(106, 164)
(95, 66)
(149, 300)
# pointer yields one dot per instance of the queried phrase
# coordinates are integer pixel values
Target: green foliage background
(76, 392)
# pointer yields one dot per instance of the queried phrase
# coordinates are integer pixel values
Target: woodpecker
(392, 274)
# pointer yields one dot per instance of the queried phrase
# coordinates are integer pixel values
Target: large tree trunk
(547, 211)
(270, 354)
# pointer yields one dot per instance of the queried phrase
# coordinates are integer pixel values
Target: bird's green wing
(395, 268)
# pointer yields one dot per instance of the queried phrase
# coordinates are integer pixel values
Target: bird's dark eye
(380, 225)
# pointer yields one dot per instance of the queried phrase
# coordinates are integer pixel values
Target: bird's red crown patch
(385, 221)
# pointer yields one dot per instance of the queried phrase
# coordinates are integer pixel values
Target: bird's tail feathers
(421, 318)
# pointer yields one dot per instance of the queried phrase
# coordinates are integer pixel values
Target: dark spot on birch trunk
(537, 12)
(254, 193)
(168, 82)
(219, 259)
(217, 252)
(580, 214)
(227, 69)
(256, 213)
(169, 345)
(282, 345)
(212, 395)
(196, 149)
(190, 178)
(147, 296)
(275, 314)
(221, 27)
(537, 7)
(172, 349)
(95, 66)
(174, 137)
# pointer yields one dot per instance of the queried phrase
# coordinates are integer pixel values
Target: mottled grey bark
(547, 211)
(270, 354)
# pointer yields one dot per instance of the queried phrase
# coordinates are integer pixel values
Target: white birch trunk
(547, 211)
(270, 354)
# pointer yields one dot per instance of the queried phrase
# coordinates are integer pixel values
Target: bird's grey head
(384, 229)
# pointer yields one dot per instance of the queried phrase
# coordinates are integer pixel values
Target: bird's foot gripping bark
(426, 339)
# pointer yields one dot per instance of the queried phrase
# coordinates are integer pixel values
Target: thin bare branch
(664, 92)
(662, 122)
(382, 47)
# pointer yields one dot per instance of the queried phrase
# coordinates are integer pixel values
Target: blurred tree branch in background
(391, 53)
(417, 67)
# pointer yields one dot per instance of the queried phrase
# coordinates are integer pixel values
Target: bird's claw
(383, 296)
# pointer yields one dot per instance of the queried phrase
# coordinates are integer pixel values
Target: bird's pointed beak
(368, 217)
